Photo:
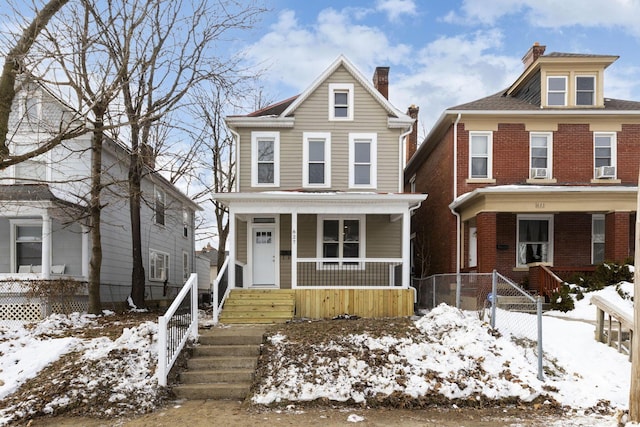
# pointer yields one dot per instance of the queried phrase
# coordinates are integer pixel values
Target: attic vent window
(341, 101)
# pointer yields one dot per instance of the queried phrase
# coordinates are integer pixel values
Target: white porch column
(231, 240)
(294, 249)
(46, 247)
(406, 249)
(85, 251)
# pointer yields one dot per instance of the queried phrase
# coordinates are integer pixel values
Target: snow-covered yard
(78, 364)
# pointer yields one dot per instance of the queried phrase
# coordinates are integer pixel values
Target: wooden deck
(328, 303)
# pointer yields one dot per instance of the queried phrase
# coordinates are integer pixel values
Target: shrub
(561, 300)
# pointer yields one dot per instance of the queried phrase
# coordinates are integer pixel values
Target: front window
(540, 155)
(341, 101)
(159, 206)
(604, 155)
(265, 155)
(316, 159)
(158, 265)
(362, 160)
(480, 154)
(535, 239)
(28, 246)
(557, 91)
(597, 239)
(585, 90)
(341, 239)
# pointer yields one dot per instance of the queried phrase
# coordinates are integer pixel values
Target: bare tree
(634, 392)
(14, 65)
(165, 49)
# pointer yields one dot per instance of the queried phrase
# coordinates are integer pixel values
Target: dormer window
(340, 101)
(585, 90)
(557, 91)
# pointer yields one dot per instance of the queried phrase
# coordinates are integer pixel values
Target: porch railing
(349, 272)
(220, 290)
(605, 332)
(545, 281)
(178, 324)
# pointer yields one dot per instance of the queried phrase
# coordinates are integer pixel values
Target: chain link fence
(496, 299)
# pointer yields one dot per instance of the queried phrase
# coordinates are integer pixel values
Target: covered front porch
(338, 252)
(516, 228)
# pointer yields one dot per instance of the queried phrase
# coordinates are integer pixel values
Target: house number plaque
(539, 205)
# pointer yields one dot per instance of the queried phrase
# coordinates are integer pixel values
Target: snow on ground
(455, 355)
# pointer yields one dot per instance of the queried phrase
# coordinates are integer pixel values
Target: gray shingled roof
(576, 55)
(499, 101)
(274, 109)
(26, 192)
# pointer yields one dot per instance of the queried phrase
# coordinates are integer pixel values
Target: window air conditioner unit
(539, 173)
(606, 172)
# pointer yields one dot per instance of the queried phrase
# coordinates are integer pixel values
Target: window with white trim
(341, 101)
(480, 154)
(341, 238)
(585, 90)
(158, 265)
(556, 91)
(30, 171)
(186, 217)
(159, 205)
(316, 158)
(265, 159)
(535, 239)
(363, 162)
(604, 154)
(26, 244)
(597, 238)
(540, 149)
(186, 271)
(30, 105)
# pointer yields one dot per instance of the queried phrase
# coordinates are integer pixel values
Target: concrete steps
(222, 365)
(252, 306)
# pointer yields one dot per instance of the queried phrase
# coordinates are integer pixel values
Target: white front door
(264, 256)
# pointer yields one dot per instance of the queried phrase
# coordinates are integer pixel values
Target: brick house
(542, 173)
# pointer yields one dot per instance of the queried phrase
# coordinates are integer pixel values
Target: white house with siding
(44, 228)
(319, 207)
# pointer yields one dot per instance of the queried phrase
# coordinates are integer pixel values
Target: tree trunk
(135, 178)
(634, 392)
(95, 209)
(12, 64)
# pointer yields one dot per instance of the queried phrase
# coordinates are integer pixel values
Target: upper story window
(341, 101)
(316, 159)
(30, 105)
(363, 160)
(585, 90)
(604, 155)
(159, 206)
(557, 91)
(480, 154)
(30, 171)
(185, 222)
(265, 159)
(540, 147)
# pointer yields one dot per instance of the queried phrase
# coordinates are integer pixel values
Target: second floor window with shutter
(480, 151)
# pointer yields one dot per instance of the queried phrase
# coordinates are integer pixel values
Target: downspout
(401, 158)
(456, 214)
(236, 137)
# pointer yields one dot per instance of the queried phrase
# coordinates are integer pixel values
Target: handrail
(549, 281)
(624, 320)
(217, 307)
(174, 328)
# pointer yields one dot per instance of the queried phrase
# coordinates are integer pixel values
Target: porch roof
(546, 199)
(320, 202)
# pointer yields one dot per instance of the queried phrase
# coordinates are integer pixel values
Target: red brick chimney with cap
(412, 138)
(532, 54)
(381, 81)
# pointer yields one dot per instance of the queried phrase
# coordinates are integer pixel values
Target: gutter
(455, 191)
(401, 156)
(236, 136)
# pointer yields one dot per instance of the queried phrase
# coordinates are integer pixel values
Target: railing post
(494, 297)
(433, 293)
(540, 355)
(162, 351)
(215, 301)
(194, 305)
(599, 324)
(458, 286)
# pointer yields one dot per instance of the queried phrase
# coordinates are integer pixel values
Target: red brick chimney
(412, 138)
(532, 54)
(381, 81)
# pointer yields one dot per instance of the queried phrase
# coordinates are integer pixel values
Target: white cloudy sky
(441, 53)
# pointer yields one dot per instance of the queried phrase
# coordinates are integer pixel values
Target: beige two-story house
(319, 207)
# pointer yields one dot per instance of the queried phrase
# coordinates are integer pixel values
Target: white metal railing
(221, 278)
(349, 272)
(176, 326)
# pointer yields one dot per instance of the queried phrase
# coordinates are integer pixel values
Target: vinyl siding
(384, 238)
(313, 116)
